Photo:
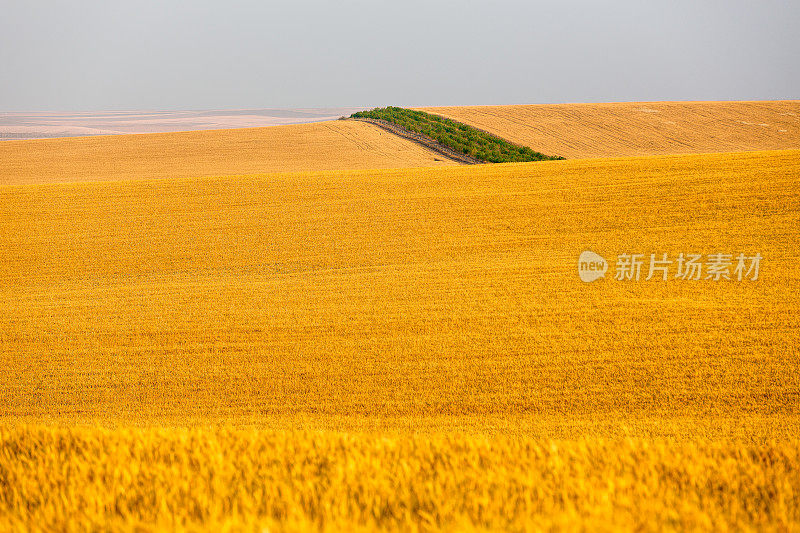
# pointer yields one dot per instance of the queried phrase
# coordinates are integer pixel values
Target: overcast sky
(167, 54)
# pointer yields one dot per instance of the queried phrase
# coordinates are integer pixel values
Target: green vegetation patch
(460, 137)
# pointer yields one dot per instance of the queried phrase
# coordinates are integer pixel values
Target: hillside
(405, 349)
(351, 298)
(332, 145)
(642, 128)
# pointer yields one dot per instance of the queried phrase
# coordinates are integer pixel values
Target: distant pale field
(640, 128)
(331, 145)
(407, 348)
(34, 125)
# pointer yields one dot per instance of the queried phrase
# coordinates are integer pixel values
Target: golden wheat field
(240, 480)
(639, 128)
(401, 349)
(331, 145)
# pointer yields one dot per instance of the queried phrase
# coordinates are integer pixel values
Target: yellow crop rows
(406, 348)
(638, 128)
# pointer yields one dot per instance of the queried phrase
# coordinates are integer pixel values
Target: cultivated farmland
(246, 480)
(641, 128)
(331, 145)
(402, 349)
(358, 295)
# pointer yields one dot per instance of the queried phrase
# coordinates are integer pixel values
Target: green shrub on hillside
(455, 135)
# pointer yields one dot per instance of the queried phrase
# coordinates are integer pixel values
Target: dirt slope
(645, 128)
(332, 145)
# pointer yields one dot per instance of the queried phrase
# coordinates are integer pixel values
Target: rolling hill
(641, 128)
(332, 145)
(427, 298)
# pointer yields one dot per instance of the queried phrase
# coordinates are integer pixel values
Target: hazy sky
(166, 54)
